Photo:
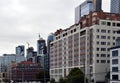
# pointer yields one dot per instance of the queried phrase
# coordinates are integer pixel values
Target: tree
(42, 76)
(52, 80)
(75, 76)
(62, 80)
(107, 77)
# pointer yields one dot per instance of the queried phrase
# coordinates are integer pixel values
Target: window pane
(114, 53)
(114, 69)
(115, 61)
(114, 77)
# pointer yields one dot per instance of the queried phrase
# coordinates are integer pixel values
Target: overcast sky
(22, 20)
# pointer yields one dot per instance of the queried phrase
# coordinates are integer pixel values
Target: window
(118, 24)
(108, 37)
(114, 77)
(97, 42)
(113, 38)
(113, 31)
(113, 43)
(103, 37)
(114, 53)
(97, 49)
(108, 55)
(97, 61)
(113, 24)
(108, 61)
(74, 30)
(103, 49)
(103, 23)
(114, 69)
(97, 36)
(108, 23)
(97, 30)
(115, 61)
(103, 61)
(103, 55)
(103, 31)
(103, 43)
(97, 55)
(108, 31)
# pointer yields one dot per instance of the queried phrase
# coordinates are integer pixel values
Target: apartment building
(85, 45)
(115, 62)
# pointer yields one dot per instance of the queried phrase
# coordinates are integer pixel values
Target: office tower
(47, 58)
(31, 55)
(86, 46)
(115, 6)
(41, 51)
(97, 5)
(86, 7)
(20, 50)
(41, 46)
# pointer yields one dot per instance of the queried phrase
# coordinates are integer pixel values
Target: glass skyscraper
(20, 50)
(86, 7)
(115, 6)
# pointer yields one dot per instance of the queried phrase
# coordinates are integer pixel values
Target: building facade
(20, 50)
(115, 6)
(86, 7)
(41, 46)
(42, 53)
(5, 61)
(47, 56)
(85, 45)
(115, 62)
(25, 71)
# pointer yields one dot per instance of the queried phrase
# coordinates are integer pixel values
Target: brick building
(25, 71)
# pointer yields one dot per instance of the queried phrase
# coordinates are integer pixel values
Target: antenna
(39, 36)
(28, 44)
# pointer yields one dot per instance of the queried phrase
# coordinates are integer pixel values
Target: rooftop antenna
(39, 36)
(28, 44)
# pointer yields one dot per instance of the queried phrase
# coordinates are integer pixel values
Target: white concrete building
(115, 63)
(85, 45)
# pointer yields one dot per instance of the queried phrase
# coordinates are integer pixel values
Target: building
(115, 6)
(5, 61)
(85, 45)
(115, 62)
(31, 55)
(42, 52)
(41, 46)
(20, 50)
(25, 71)
(47, 58)
(86, 7)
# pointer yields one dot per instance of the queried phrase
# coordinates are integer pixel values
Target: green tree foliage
(42, 76)
(108, 75)
(62, 80)
(75, 76)
(52, 80)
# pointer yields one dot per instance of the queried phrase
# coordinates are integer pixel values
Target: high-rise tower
(41, 46)
(115, 6)
(20, 50)
(86, 7)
